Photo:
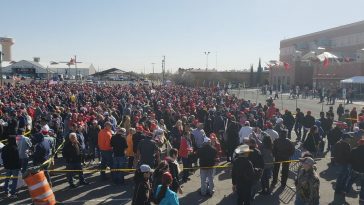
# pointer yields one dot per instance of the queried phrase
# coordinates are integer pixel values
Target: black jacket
(142, 193)
(173, 169)
(10, 157)
(288, 121)
(71, 152)
(256, 158)
(283, 149)
(242, 172)
(341, 152)
(299, 117)
(308, 121)
(357, 158)
(207, 155)
(118, 144)
(334, 136)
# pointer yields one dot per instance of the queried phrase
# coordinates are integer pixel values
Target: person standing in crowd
(255, 157)
(185, 152)
(198, 136)
(92, 136)
(267, 154)
(73, 156)
(288, 122)
(207, 155)
(42, 152)
(245, 131)
(163, 195)
(298, 124)
(104, 139)
(308, 122)
(12, 165)
(129, 150)
(24, 145)
(232, 137)
(148, 152)
(341, 154)
(357, 165)
(271, 132)
(176, 134)
(158, 174)
(307, 184)
(340, 111)
(242, 175)
(174, 170)
(283, 149)
(279, 125)
(334, 136)
(119, 145)
(143, 190)
(312, 141)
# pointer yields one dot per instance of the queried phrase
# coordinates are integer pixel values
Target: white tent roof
(324, 55)
(354, 80)
(310, 55)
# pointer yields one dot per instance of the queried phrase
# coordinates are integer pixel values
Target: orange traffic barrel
(39, 189)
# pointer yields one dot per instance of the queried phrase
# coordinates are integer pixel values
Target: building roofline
(325, 31)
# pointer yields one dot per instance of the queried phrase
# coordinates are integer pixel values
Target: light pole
(207, 59)
(153, 67)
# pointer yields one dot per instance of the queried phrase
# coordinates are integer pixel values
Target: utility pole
(207, 59)
(163, 68)
(153, 67)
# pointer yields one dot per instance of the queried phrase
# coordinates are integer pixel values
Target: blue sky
(134, 34)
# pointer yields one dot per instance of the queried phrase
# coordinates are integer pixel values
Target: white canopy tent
(356, 83)
(353, 80)
(327, 55)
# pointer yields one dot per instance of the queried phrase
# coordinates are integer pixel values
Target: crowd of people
(155, 129)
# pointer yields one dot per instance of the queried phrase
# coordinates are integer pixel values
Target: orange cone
(39, 189)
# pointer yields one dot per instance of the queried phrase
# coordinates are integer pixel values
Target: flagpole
(76, 66)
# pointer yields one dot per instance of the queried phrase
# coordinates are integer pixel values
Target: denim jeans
(11, 173)
(343, 178)
(74, 166)
(355, 176)
(298, 130)
(106, 161)
(186, 164)
(119, 163)
(207, 186)
(267, 174)
(24, 164)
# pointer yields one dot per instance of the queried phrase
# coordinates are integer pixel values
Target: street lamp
(207, 59)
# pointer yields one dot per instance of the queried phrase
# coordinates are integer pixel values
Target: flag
(326, 63)
(72, 61)
(286, 65)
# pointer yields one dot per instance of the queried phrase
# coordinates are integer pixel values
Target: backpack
(40, 153)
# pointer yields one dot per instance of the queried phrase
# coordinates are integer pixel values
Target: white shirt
(273, 134)
(245, 132)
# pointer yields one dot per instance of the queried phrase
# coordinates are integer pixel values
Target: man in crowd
(119, 145)
(104, 139)
(283, 149)
(73, 156)
(207, 155)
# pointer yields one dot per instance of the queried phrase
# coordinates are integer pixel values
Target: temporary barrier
(39, 189)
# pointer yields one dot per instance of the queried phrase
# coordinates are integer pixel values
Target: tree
(251, 76)
(259, 73)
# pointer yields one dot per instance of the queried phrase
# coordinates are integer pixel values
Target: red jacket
(185, 148)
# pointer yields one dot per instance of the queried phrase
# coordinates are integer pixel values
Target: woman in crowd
(307, 184)
(165, 196)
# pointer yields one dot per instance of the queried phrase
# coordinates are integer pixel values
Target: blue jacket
(170, 198)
